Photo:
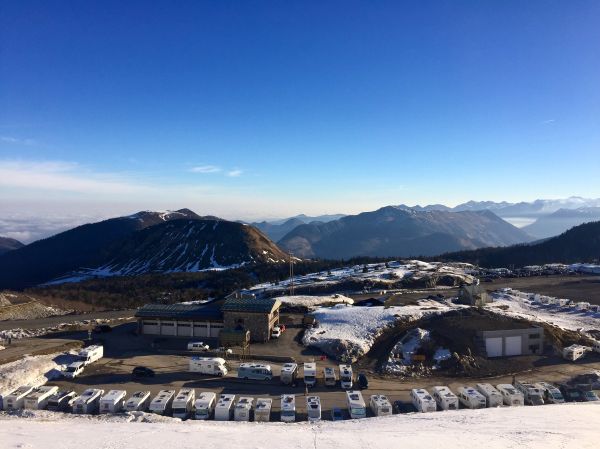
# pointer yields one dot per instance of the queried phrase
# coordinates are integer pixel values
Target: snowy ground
(314, 301)
(401, 355)
(378, 272)
(564, 317)
(17, 333)
(563, 426)
(348, 332)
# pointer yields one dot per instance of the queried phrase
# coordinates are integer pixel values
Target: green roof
(256, 305)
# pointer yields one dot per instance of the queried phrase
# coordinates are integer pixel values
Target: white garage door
(150, 328)
(513, 345)
(493, 346)
(215, 330)
(167, 328)
(200, 330)
(184, 329)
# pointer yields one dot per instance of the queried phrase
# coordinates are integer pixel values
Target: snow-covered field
(563, 426)
(348, 332)
(565, 317)
(314, 301)
(377, 272)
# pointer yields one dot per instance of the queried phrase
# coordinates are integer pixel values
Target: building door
(201, 330)
(513, 345)
(493, 346)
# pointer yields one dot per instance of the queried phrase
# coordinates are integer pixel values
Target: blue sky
(250, 109)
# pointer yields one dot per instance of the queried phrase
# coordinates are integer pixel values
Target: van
(16, 399)
(444, 398)
(255, 371)
(329, 376)
(74, 369)
(38, 398)
(243, 409)
(262, 411)
(510, 395)
(198, 346)
(532, 394)
(205, 405)
(289, 373)
(356, 404)
(88, 402)
(113, 401)
(183, 404)
(313, 408)
(380, 405)
(492, 396)
(310, 374)
(91, 354)
(288, 408)
(574, 352)
(422, 400)
(471, 398)
(551, 394)
(224, 407)
(61, 401)
(346, 377)
(138, 402)
(162, 404)
(215, 366)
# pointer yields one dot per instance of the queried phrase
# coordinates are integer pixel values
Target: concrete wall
(259, 324)
(532, 339)
(179, 328)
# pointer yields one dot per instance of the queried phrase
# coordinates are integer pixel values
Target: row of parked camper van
(84, 358)
(486, 395)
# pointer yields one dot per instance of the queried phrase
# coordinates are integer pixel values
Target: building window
(534, 348)
(150, 323)
(203, 326)
(183, 324)
(534, 336)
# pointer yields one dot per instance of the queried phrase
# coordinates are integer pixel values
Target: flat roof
(180, 311)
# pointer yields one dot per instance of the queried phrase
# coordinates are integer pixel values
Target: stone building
(258, 315)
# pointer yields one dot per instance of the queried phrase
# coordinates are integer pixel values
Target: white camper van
(346, 376)
(288, 408)
(531, 393)
(205, 405)
(74, 369)
(183, 404)
(243, 409)
(313, 408)
(215, 366)
(492, 396)
(88, 402)
(552, 395)
(469, 397)
(91, 354)
(113, 401)
(16, 399)
(38, 398)
(310, 374)
(289, 373)
(224, 407)
(329, 376)
(262, 411)
(61, 401)
(422, 400)
(574, 352)
(255, 371)
(197, 346)
(511, 396)
(380, 405)
(138, 402)
(356, 404)
(162, 404)
(444, 398)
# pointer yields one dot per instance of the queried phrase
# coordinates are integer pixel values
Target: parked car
(571, 394)
(142, 371)
(102, 329)
(398, 406)
(362, 381)
(197, 346)
(589, 396)
(276, 332)
(337, 414)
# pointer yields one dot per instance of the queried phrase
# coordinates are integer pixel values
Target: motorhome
(346, 376)
(262, 411)
(113, 401)
(61, 401)
(422, 400)
(289, 373)
(310, 374)
(444, 398)
(138, 402)
(88, 402)
(356, 404)
(162, 404)
(288, 408)
(492, 396)
(91, 354)
(183, 404)
(215, 366)
(74, 369)
(380, 405)
(38, 398)
(205, 405)
(329, 376)
(532, 395)
(582, 305)
(510, 395)
(243, 409)
(224, 407)
(16, 399)
(313, 408)
(574, 352)
(552, 395)
(255, 371)
(469, 397)
(197, 346)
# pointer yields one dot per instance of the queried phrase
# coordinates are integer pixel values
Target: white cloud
(235, 173)
(17, 141)
(205, 169)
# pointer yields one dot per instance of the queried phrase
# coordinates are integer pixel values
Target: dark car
(362, 381)
(142, 371)
(102, 328)
(571, 394)
(337, 414)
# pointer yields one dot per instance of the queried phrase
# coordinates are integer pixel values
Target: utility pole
(291, 274)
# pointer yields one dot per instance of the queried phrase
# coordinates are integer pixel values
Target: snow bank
(348, 332)
(38, 332)
(314, 301)
(564, 426)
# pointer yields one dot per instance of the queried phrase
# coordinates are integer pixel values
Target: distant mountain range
(398, 231)
(8, 244)
(561, 220)
(579, 244)
(276, 229)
